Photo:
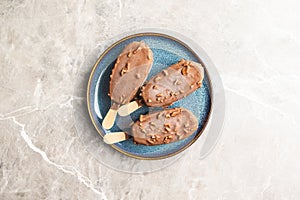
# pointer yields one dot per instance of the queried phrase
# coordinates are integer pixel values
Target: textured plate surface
(166, 51)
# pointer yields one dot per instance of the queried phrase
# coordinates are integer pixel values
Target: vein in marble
(24, 110)
(266, 186)
(66, 169)
(120, 8)
(241, 94)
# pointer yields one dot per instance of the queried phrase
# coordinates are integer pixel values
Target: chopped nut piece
(135, 51)
(168, 129)
(154, 87)
(165, 72)
(176, 112)
(185, 130)
(177, 82)
(173, 94)
(156, 79)
(166, 140)
(184, 70)
(152, 124)
(138, 76)
(123, 71)
(129, 54)
(142, 118)
(159, 95)
(176, 129)
(121, 98)
(126, 66)
(159, 115)
(143, 131)
(150, 141)
(149, 100)
(149, 135)
(167, 125)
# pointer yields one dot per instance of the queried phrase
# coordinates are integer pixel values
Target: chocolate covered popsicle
(129, 73)
(171, 84)
(162, 127)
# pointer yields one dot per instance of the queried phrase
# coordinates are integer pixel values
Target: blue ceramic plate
(166, 50)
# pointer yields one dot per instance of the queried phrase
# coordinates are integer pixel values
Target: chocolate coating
(166, 126)
(173, 83)
(130, 71)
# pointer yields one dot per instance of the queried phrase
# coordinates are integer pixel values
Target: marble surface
(45, 44)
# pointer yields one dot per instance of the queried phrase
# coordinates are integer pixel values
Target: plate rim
(159, 34)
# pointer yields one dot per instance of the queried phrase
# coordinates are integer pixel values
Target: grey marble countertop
(255, 46)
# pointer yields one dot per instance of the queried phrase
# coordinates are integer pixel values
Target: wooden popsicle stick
(110, 117)
(127, 109)
(115, 137)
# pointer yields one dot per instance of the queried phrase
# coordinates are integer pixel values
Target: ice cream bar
(171, 84)
(129, 73)
(162, 127)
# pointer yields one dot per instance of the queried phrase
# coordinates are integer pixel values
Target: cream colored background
(255, 46)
